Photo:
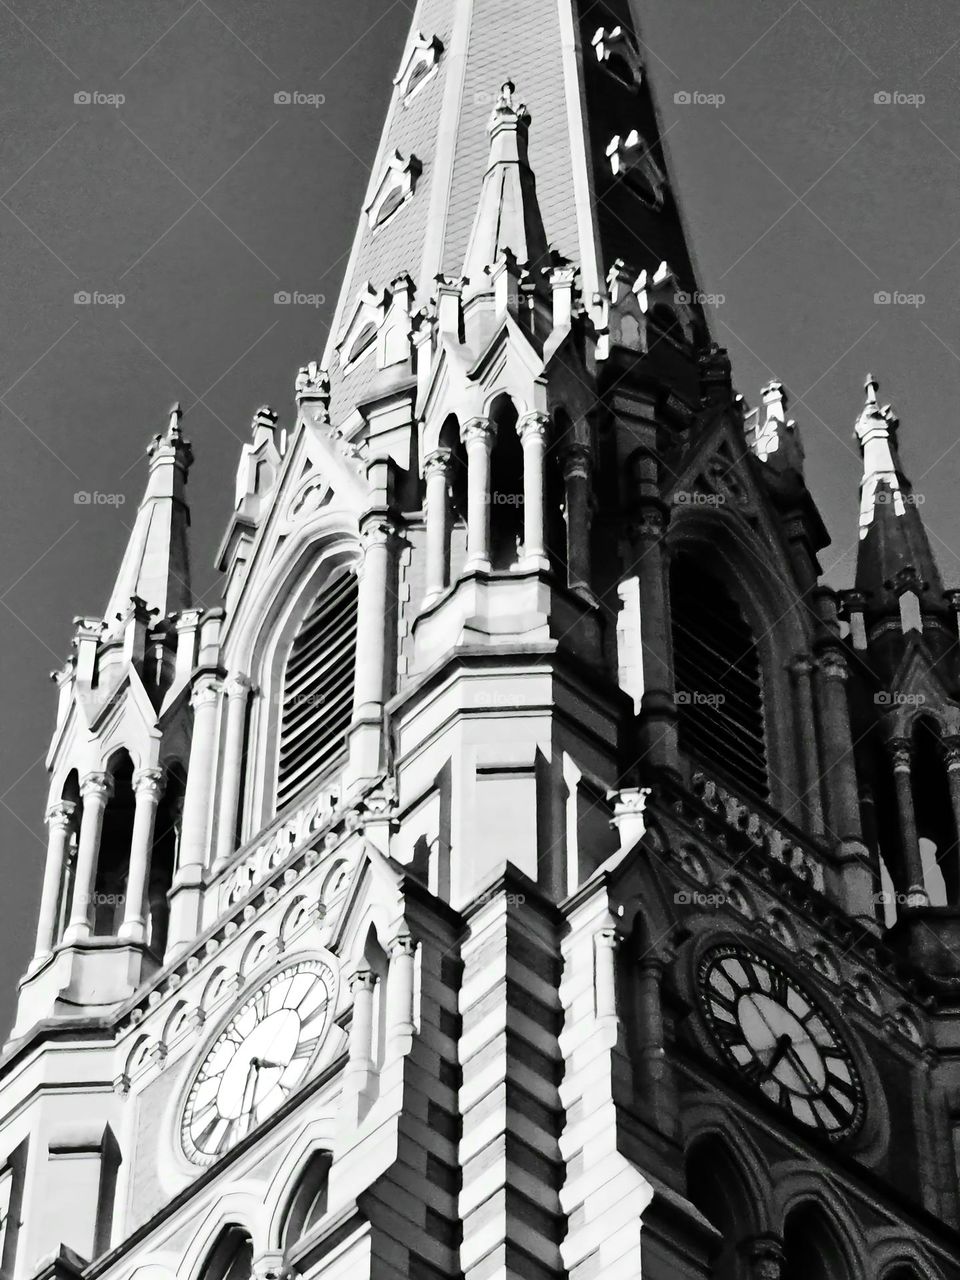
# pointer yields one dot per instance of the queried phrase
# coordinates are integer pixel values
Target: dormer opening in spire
(113, 861)
(506, 488)
(936, 831)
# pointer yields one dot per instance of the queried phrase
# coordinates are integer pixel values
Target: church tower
(532, 870)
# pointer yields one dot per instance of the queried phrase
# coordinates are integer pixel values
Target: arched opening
(163, 858)
(449, 438)
(558, 531)
(812, 1250)
(718, 678)
(71, 794)
(362, 343)
(934, 813)
(317, 691)
(308, 1204)
(378, 964)
(717, 1188)
(231, 1258)
(113, 860)
(506, 488)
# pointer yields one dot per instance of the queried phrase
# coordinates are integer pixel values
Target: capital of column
(60, 816)
(96, 786)
(951, 752)
(833, 664)
(205, 691)
(237, 686)
(901, 754)
(649, 526)
(802, 666)
(377, 529)
(479, 431)
(402, 944)
(149, 782)
(533, 426)
(765, 1257)
(438, 463)
(607, 938)
(362, 980)
(576, 461)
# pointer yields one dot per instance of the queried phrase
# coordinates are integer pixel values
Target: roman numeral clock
(780, 1040)
(260, 1057)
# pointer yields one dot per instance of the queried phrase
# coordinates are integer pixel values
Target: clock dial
(258, 1060)
(775, 1035)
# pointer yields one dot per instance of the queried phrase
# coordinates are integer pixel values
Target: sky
(815, 149)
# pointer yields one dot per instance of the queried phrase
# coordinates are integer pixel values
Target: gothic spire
(156, 563)
(508, 214)
(894, 554)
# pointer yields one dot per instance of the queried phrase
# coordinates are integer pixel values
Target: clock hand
(801, 1068)
(781, 1049)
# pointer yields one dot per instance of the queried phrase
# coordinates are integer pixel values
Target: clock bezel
(320, 962)
(705, 961)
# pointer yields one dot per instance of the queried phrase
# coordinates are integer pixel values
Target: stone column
(96, 789)
(478, 435)
(148, 788)
(764, 1257)
(436, 469)
(198, 797)
(901, 753)
(237, 690)
(376, 598)
(576, 461)
(59, 824)
(951, 758)
(186, 892)
(605, 944)
(801, 670)
(400, 982)
(649, 561)
(360, 1065)
(533, 438)
(652, 1053)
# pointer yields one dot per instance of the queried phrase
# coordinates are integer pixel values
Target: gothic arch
(316, 1137)
(239, 1209)
(821, 1241)
(259, 642)
(718, 1185)
(734, 558)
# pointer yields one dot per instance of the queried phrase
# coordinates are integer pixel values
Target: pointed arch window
(231, 1258)
(308, 1204)
(717, 678)
(317, 693)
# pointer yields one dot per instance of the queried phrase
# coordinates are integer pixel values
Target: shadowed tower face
(531, 870)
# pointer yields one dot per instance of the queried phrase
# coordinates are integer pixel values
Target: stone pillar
(436, 469)
(605, 944)
(376, 597)
(951, 758)
(649, 561)
(478, 435)
(400, 982)
(576, 462)
(96, 789)
(901, 753)
(60, 824)
(148, 788)
(652, 1052)
(237, 690)
(533, 437)
(358, 1074)
(801, 670)
(185, 897)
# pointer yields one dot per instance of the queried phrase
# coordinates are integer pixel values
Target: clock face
(778, 1039)
(258, 1060)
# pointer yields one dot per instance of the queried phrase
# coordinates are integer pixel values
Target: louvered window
(717, 677)
(318, 690)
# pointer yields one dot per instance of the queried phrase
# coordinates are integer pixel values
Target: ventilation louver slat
(317, 698)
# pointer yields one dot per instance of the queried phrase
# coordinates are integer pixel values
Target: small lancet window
(717, 678)
(308, 1204)
(317, 696)
(231, 1258)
